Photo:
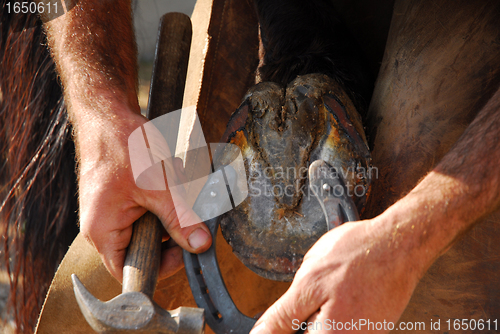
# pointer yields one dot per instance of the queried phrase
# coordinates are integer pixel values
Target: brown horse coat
(441, 66)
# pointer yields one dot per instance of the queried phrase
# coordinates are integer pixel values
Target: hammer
(134, 311)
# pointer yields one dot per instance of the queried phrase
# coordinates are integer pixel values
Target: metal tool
(203, 270)
(134, 310)
(332, 194)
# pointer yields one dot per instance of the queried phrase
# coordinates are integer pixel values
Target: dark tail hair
(301, 37)
(37, 166)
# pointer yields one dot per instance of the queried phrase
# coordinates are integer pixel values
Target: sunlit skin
(368, 270)
(99, 77)
(377, 262)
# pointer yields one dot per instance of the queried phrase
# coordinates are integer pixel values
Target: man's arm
(94, 49)
(368, 270)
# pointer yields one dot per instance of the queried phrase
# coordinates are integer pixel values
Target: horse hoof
(281, 132)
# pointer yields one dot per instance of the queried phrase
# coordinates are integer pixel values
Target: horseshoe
(202, 270)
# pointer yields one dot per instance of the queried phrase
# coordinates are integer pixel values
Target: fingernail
(260, 329)
(198, 238)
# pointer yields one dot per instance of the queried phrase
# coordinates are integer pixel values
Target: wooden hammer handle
(140, 271)
(142, 264)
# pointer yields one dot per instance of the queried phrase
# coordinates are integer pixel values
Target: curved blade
(331, 192)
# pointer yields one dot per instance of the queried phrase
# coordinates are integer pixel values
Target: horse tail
(38, 205)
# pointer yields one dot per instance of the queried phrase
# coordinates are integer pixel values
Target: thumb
(287, 313)
(182, 223)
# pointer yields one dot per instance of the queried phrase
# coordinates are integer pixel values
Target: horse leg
(441, 66)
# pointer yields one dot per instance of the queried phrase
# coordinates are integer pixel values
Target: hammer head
(134, 312)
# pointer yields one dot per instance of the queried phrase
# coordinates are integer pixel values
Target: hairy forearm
(94, 48)
(463, 188)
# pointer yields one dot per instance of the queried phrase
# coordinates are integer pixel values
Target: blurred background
(147, 15)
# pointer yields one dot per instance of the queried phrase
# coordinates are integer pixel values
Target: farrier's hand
(95, 55)
(110, 201)
(355, 271)
(369, 269)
